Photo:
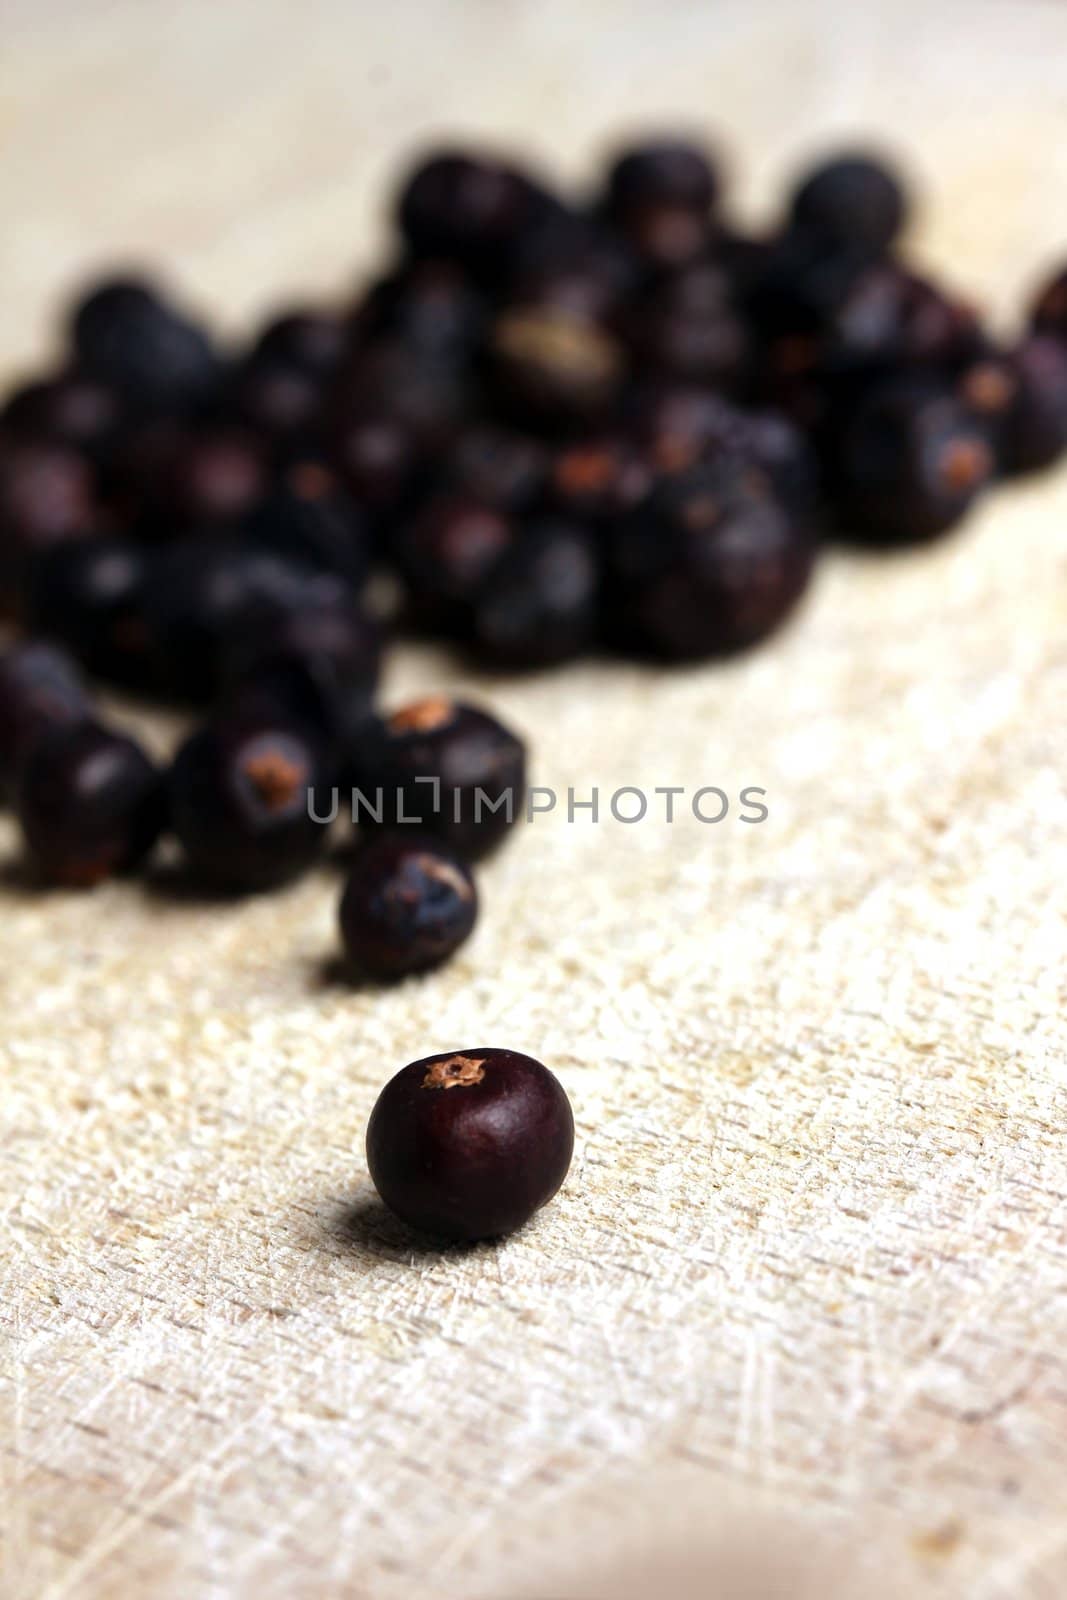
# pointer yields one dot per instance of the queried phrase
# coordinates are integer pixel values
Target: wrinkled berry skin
(40, 688)
(709, 564)
(124, 334)
(239, 803)
(907, 465)
(854, 202)
(469, 1144)
(90, 803)
(468, 762)
(407, 906)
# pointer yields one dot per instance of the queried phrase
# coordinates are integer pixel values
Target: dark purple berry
(468, 208)
(72, 410)
(211, 479)
(445, 554)
(124, 334)
(668, 171)
(90, 594)
(854, 201)
(40, 688)
(245, 796)
(90, 803)
(309, 518)
(318, 665)
(1035, 427)
(310, 342)
(46, 498)
(907, 464)
(381, 462)
(200, 596)
(660, 196)
(710, 563)
(452, 769)
(408, 905)
(540, 603)
(469, 1144)
(279, 404)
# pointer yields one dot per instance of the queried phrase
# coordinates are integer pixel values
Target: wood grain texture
(811, 1263)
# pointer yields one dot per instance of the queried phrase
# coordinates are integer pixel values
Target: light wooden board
(811, 1264)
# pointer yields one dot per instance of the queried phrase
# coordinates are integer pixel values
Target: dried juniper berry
(710, 563)
(307, 341)
(40, 688)
(90, 802)
(445, 553)
(47, 496)
(855, 201)
(450, 768)
(1035, 427)
(319, 664)
(468, 1144)
(540, 603)
(90, 594)
(308, 517)
(660, 196)
(891, 317)
(678, 426)
(409, 903)
(246, 793)
(469, 208)
(907, 464)
(381, 462)
(124, 333)
(277, 403)
(70, 409)
(199, 596)
(210, 478)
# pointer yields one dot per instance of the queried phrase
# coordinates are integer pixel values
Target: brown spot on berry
(965, 462)
(423, 716)
(275, 779)
(454, 1072)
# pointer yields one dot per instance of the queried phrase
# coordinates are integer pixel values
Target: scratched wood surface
(808, 1279)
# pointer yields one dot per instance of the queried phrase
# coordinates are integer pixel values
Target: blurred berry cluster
(552, 425)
